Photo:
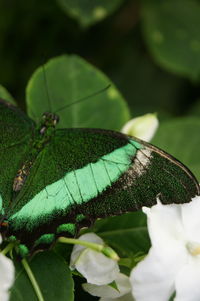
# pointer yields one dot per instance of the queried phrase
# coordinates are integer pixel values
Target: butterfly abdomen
(21, 176)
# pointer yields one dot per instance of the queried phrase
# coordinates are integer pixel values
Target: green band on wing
(77, 187)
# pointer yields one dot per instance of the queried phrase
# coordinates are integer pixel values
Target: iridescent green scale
(54, 181)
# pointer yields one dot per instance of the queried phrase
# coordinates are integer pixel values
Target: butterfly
(55, 181)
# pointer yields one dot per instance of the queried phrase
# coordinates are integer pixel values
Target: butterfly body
(41, 137)
(53, 181)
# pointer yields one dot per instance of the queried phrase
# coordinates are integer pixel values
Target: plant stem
(107, 251)
(8, 248)
(91, 245)
(32, 279)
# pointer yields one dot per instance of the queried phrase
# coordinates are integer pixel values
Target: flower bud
(142, 127)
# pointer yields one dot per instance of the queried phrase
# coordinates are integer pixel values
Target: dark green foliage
(180, 137)
(58, 287)
(175, 43)
(127, 234)
(88, 12)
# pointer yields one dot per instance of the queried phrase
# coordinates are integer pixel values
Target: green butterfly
(55, 181)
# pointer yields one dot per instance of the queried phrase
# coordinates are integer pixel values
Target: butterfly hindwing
(92, 173)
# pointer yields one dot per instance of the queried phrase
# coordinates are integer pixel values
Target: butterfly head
(49, 120)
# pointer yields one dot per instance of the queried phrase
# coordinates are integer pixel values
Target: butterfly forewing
(95, 173)
(66, 174)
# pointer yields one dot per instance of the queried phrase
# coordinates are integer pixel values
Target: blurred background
(149, 48)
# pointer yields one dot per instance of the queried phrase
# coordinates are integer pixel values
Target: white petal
(106, 291)
(191, 220)
(94, 266)
(4, 296)
(154, 275)
(6, 277)
(143, 127)
(77, 249)
(188, 282)
(165, 229)
(127, 297)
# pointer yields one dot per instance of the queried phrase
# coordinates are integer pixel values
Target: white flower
(6, 276)
(173, 262)
(143, 127)
(108, 293)
(94, 266)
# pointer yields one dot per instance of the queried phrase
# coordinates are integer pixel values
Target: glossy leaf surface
(4, 94)
(127, 234)
(171, 31)
(88, 12)
(53, 277)
(180, 137)
(65, 80)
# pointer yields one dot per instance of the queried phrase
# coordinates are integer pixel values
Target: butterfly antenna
(84, 98)
(46, 87)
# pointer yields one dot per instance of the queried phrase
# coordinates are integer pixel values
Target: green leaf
(65, 80)
(128, 242)
(4, 94)
(53, 277)
(125, 221)
(195, 109)
(171, 30)
(88, 12)
(126, 234)
(149, 81)
(114, 285)
(180, 137)
(64, 250)
(172, 297)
